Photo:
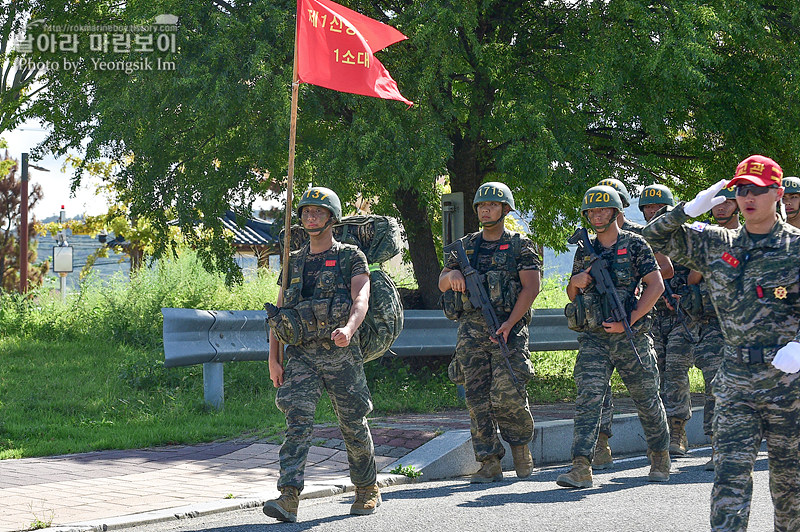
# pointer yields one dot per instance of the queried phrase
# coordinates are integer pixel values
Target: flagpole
(287, 224)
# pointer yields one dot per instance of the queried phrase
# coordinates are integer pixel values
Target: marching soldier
(602, 453)
(791, 200)
(495, 398)
(672, 343)
(325, 302)
(754, 281)
(603, 344)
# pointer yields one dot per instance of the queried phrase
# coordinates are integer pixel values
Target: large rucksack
(380, 240)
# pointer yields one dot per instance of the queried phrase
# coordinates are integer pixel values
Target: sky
(55, 183)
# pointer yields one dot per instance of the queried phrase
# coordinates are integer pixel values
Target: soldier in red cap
(754, 282)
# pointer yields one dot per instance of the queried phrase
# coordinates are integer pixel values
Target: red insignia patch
(730, 259)
(759, 291)
(623, 251)
(503, 246)
(331, 262)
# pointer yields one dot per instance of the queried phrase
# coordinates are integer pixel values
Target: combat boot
(580, 476)
(523, 461)
(678, 443)
(659, 466)
(490, 471)
(602, 453)
(710, 464)
(367, 500)
(284, 508)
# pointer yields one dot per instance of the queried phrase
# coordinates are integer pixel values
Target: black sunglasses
(742, 190)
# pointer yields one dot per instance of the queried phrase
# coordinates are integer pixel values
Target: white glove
(787, 359)
(705, 200)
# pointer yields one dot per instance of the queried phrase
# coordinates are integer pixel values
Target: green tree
(549, 97)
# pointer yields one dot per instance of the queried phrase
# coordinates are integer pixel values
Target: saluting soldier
(495, 398)
(754, 281)
(603, 344)
(325, 302)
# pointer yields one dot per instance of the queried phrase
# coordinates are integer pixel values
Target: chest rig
(328, 308)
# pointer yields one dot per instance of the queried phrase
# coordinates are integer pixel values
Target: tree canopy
(548, 97)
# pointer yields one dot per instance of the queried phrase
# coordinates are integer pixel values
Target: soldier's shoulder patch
(698, 226)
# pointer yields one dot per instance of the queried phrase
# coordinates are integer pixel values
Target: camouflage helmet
(656, 195)
(730, 192)
(619, 186)
(322, 197)
(600, 196)
(493, 191)
(791, 184)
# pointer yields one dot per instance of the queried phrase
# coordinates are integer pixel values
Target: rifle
(604, 284)
(476, 292)
(675, 303)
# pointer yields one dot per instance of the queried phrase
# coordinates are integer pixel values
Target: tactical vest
(315, 318)
(623, 275)
(501, 281)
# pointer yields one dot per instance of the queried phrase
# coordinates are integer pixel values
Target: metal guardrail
(212, 337)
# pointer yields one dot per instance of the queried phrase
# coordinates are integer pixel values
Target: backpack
(380, 239)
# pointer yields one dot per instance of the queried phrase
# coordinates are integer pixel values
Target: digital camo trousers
(598, 354)
(340, 371)
(493, 399)
(708, 357)
(754, 402)
(674, 354)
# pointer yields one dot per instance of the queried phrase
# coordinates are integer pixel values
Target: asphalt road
(621, 500)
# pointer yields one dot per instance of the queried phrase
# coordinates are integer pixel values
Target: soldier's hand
(341, 336)
(504, 329)
(705, 200)
(457, 282)
(276, 373)
(613, 327)
(787, 359)
(677, 300)
(581, 280)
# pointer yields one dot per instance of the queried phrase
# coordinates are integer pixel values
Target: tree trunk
(421, 246)
(466, 177)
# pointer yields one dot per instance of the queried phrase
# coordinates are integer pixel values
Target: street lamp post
(23, 228)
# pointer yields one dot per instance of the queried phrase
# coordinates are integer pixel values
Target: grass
(88, 374)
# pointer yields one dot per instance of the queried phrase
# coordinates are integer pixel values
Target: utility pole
(23, 228)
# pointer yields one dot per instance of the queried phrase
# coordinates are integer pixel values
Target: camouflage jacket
(754, 286)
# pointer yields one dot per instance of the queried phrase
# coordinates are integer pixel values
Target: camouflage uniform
(317, 363)
(492, 398)
(708, 349)
(607, 417)
(674, 351)
(755, 290)
(600, 352)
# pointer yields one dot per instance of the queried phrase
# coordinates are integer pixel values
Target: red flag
(335, 47)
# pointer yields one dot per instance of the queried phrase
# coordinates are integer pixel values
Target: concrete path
(116, 489)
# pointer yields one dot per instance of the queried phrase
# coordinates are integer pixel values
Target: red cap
(757, 170)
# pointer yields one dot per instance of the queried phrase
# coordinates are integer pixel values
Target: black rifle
(604, 284)
(476, 292)
(674, 302)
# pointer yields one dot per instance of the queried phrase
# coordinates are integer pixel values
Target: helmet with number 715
(493, 191)
(321, 197)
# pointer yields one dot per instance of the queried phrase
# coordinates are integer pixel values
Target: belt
(756, 354)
